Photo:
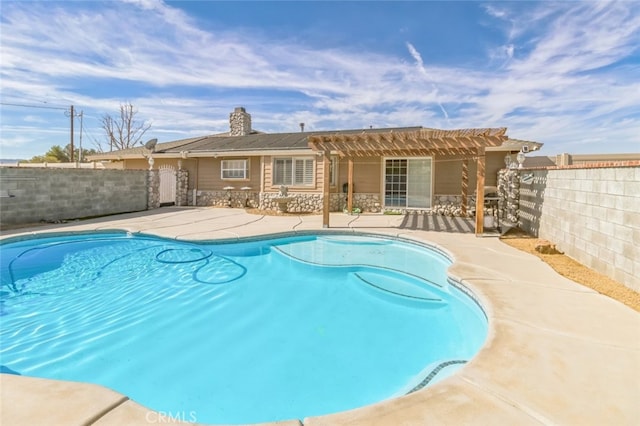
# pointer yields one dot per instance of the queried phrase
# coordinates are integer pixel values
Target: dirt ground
(573, 270)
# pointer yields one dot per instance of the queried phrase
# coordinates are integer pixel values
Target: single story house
(372, 170)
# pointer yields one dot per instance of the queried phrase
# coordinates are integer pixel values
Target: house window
(234, 169)
(295, 171)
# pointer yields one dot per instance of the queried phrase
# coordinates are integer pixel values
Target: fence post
(153, 184)
(182, 190)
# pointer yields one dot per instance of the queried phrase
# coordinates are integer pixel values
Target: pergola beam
(425, 138)
(357, 147)
(455, 152)
(460, 144)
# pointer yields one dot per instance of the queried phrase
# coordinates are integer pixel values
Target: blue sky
(566, 74)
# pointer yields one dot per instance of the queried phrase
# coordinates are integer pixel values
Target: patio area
(557, 352)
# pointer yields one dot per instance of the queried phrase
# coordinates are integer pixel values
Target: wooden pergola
(464, 144)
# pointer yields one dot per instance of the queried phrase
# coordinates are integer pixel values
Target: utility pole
(72, 115)
(80, 149)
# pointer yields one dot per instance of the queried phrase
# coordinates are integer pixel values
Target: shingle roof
(263, 141)
(141, 150)
(257, 141)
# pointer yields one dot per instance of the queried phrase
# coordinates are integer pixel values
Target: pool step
(404, 286)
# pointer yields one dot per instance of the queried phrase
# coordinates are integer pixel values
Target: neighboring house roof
(514, 145)
(139, 151)
(538, 161)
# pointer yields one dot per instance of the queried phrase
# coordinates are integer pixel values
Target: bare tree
(124, 132)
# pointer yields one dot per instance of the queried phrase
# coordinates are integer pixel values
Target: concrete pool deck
(557, 352)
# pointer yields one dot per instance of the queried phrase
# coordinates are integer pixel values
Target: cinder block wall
(590, 213)
(32, 195)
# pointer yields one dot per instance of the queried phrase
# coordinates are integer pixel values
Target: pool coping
(544, 360)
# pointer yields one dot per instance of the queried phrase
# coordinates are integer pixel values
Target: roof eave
(115, 157)
(516, 145)
(245, 153)
(204, 154)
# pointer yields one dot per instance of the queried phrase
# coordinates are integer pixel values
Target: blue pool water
(239, 332)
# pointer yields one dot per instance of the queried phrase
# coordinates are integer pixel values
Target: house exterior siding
(448, 173)
(367, 174)
(210, 178)
(204, 175)
(199, 161)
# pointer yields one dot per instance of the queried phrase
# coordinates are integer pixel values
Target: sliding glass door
(407, 182)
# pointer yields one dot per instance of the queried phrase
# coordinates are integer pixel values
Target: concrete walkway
(557, 352)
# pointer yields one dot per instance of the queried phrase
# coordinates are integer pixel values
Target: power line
(33, 106)
(95, 140)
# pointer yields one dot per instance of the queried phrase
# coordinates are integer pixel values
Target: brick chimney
(239, 122)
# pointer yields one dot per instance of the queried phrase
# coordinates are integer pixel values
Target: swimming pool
(239, 332)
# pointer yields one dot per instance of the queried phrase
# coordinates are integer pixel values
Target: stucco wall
(33, 195)
(591, 213)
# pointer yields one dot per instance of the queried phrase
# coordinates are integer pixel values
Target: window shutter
(299, 172)
(293, 171)
(308, 172)
(282, 171)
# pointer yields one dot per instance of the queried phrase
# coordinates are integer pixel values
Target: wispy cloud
(565, 71)
(422, 70)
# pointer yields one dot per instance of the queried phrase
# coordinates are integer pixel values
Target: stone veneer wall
(29, 195)
(445, 205)
(222, 198)
(366, 202)
(592, 213)
(153, 189)
(182, 187)
(300, 203)
(509, 192)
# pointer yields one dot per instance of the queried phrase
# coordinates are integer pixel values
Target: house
(373, 170)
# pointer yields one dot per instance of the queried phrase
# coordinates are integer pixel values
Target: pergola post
(350, 186)
(410, 143)
(465, 185)
(326, 188)
(480, 193)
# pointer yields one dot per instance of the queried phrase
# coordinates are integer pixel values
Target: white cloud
(421, 68)
(559, 78)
